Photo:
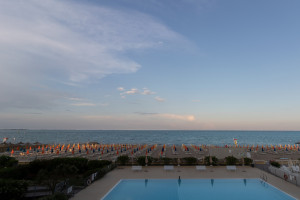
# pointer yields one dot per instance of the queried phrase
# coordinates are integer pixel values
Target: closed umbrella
(146, 160)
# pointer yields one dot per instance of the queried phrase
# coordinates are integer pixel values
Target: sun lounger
(136, 168)
(231, 167)
(201, 167)
(168, 167)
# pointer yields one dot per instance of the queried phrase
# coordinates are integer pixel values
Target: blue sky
(131, 64)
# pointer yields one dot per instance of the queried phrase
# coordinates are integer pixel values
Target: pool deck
(99, 188)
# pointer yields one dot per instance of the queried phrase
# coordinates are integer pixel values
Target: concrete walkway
(99, 188)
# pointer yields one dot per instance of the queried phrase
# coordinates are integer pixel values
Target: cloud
(146, 113)
(147, 92)
(169, 116)
(75, 99)
(120, 89)
(159, 99)
(46, 44)
(131, 92)
(83, 104)
(178, 117)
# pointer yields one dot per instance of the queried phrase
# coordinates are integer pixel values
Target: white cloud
(147, 92)
(159, 99)
(120, 89)
(178, 117)
(83, 104)
(169, 116)
(131, 92)
(75, 99)
(49, 42)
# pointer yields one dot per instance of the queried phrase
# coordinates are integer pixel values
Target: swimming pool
(192, 189)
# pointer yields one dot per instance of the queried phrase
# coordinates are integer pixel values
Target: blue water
(151, 137)
(192, 189)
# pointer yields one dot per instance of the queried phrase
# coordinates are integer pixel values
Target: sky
(155, 64)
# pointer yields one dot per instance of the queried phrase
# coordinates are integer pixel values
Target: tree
(231, 160)
(53, 177)
(7, 161)
(123, 159)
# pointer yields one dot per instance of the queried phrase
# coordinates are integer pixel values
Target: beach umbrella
(12, 152)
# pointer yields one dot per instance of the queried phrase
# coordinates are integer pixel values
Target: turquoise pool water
(192, 189)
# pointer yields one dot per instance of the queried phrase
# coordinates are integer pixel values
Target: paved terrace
(99, 188)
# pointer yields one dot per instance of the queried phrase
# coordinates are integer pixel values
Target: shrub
(7, 161)
(19, 172)
(57, 196)
(94, 164)
(141, 160)
(123, 159)
(275, 164)
(167, 160)
(12, 189)
(231, 160)
(248, 161)
(214, 160)
(54, 176)
(79, 163)
(190, 160)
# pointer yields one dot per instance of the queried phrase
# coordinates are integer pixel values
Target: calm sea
(177, 137)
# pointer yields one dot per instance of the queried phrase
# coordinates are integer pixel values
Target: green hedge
(215, 160)
(167, 161)
(20, 172)
(7, 161)
(94, 164)
(29, 172)
(190, 160)
(231, 160)
(248, 161)
(141, 160)
(55, 197)
(79, 163)
(12, 189)
(123, 160)
(275, 164)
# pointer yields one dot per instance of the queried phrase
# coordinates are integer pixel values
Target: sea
(168, 137)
